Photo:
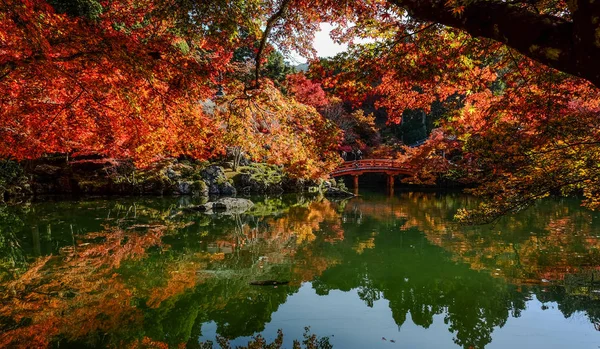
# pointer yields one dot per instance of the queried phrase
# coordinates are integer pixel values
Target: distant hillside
(302, 67)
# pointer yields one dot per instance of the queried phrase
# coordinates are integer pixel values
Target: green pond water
(370, 272)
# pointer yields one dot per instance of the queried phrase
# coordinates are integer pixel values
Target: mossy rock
(155, 184)
(199, 188)
(259, 178)
(93, 186)
(213, 175)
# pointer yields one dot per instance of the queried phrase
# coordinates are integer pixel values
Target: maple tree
(125, 79)
(512, 124)
(120, 83)
(358, 129)
(273, 128)
(306, 91)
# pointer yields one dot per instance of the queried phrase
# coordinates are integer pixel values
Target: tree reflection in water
(124, 273)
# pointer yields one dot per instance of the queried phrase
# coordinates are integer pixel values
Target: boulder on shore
(217, 182)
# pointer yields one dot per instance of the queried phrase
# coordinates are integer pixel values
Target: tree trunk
(568, 45)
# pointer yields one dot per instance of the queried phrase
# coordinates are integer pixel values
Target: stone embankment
(101, 176)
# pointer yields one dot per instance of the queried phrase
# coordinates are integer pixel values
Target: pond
(370, 272)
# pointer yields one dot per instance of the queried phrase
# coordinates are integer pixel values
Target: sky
(323, 44)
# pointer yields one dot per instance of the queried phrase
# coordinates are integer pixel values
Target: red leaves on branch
(306, 91)
(120, 85)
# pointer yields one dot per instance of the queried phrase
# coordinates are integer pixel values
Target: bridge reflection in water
(389, 167)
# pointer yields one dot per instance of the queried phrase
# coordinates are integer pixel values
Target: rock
(224, 205)
(336, 192)
(227, 164)
(213, 190)
(217, 183)
(245, 161)
(153, 184)
(66, 184)
(219, 206)
(295, 185)
(232, 204)
(98, 176)
(46, 170)
(213, 174)
(91, 167)
(198, 208)
(229, 205)
(184, 187)
(226, 189)
(176, 171)
(171, 174)
(248, 183)
(199, 188)
(94, 185)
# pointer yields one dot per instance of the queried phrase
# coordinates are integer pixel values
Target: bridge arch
(358, 167)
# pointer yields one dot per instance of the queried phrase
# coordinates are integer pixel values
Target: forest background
(502, 95)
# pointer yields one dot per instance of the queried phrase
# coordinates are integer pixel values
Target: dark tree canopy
(564, 35)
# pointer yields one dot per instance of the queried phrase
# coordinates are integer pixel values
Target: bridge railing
(372, 164)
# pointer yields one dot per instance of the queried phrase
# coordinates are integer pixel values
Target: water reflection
(116, 273)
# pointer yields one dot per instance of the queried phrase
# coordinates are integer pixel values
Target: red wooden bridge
(358, 167)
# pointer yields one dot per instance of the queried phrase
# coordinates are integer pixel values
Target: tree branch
(565, 44)
(263, 41)
(10, 66)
